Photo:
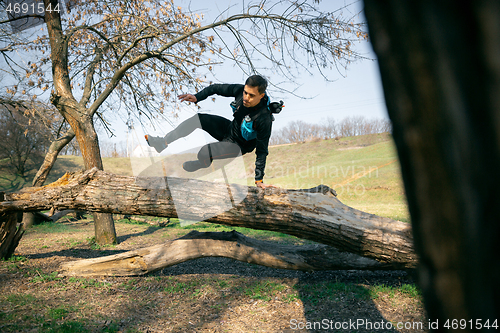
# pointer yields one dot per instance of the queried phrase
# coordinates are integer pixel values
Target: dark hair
(257, 81)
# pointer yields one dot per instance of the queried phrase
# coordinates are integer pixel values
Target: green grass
(58, 313)
(316, 293)
(264, 290)
(94, 246)
(67, 327)
(39, 276)
(217, 292)
(20, 299)
(410, 290)
(175, 287)
(53, 227)
(15, 259)
(88, 283)
(363, 170)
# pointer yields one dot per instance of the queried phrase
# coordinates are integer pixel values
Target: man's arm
(226, 90)
(263, 129)
(262, 151)
(187, 98)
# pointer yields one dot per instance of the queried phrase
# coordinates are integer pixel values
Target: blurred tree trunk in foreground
(440, 68)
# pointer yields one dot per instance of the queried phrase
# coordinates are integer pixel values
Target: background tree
(21, 89)
(142, 53)
(439, 68)
(23, 140)
(299, 131)
(32, 135)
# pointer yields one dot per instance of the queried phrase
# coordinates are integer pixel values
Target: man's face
(251, 96)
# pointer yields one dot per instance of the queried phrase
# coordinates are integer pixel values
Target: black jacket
(262, 124)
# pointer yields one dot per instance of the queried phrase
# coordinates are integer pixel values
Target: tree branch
(157, 54)
(221, 244)
(87, 90)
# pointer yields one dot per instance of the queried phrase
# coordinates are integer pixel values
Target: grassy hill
(364, 170)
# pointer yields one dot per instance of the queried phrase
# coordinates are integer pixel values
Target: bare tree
(22, 140)
(439, 67)
(142, 52)
(34, 132)
(300, 131)
(113, 149)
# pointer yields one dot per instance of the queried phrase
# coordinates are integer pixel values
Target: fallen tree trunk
(316, 216)
(221, 244)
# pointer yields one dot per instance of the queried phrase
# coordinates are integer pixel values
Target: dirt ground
(203, 295)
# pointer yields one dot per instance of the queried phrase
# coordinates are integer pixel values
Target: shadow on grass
(95, 252)
(150, 230)
(204, 294)
(11, 182)
(267, 300)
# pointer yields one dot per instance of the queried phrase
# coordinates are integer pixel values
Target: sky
(358, 92)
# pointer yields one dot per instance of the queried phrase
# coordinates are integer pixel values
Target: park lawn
(205, 295)
(217, 294)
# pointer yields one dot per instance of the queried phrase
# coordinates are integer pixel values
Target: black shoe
(156, 142)
(192, 166)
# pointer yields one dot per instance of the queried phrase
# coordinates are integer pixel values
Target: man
(250, 128)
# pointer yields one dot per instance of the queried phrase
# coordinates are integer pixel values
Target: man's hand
(264, 186)
(187, 98)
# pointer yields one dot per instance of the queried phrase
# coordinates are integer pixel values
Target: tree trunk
(50, 158)
(10, 233)
(104, 226)
(441, 76)
(221, 244)
(78, 116)
(316, 216)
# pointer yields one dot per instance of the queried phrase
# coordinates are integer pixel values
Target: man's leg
(213, 151)
(214, 125)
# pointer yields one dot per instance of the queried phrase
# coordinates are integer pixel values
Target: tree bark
(10, 234)
(441, 76)
(78, 116)
(221, 244)
(50, 158)
(316, 216)
(104, 226)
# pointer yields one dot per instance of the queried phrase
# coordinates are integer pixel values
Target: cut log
(221, 244)
(319, 216)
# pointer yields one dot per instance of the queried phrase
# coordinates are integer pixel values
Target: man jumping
(250, 128)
